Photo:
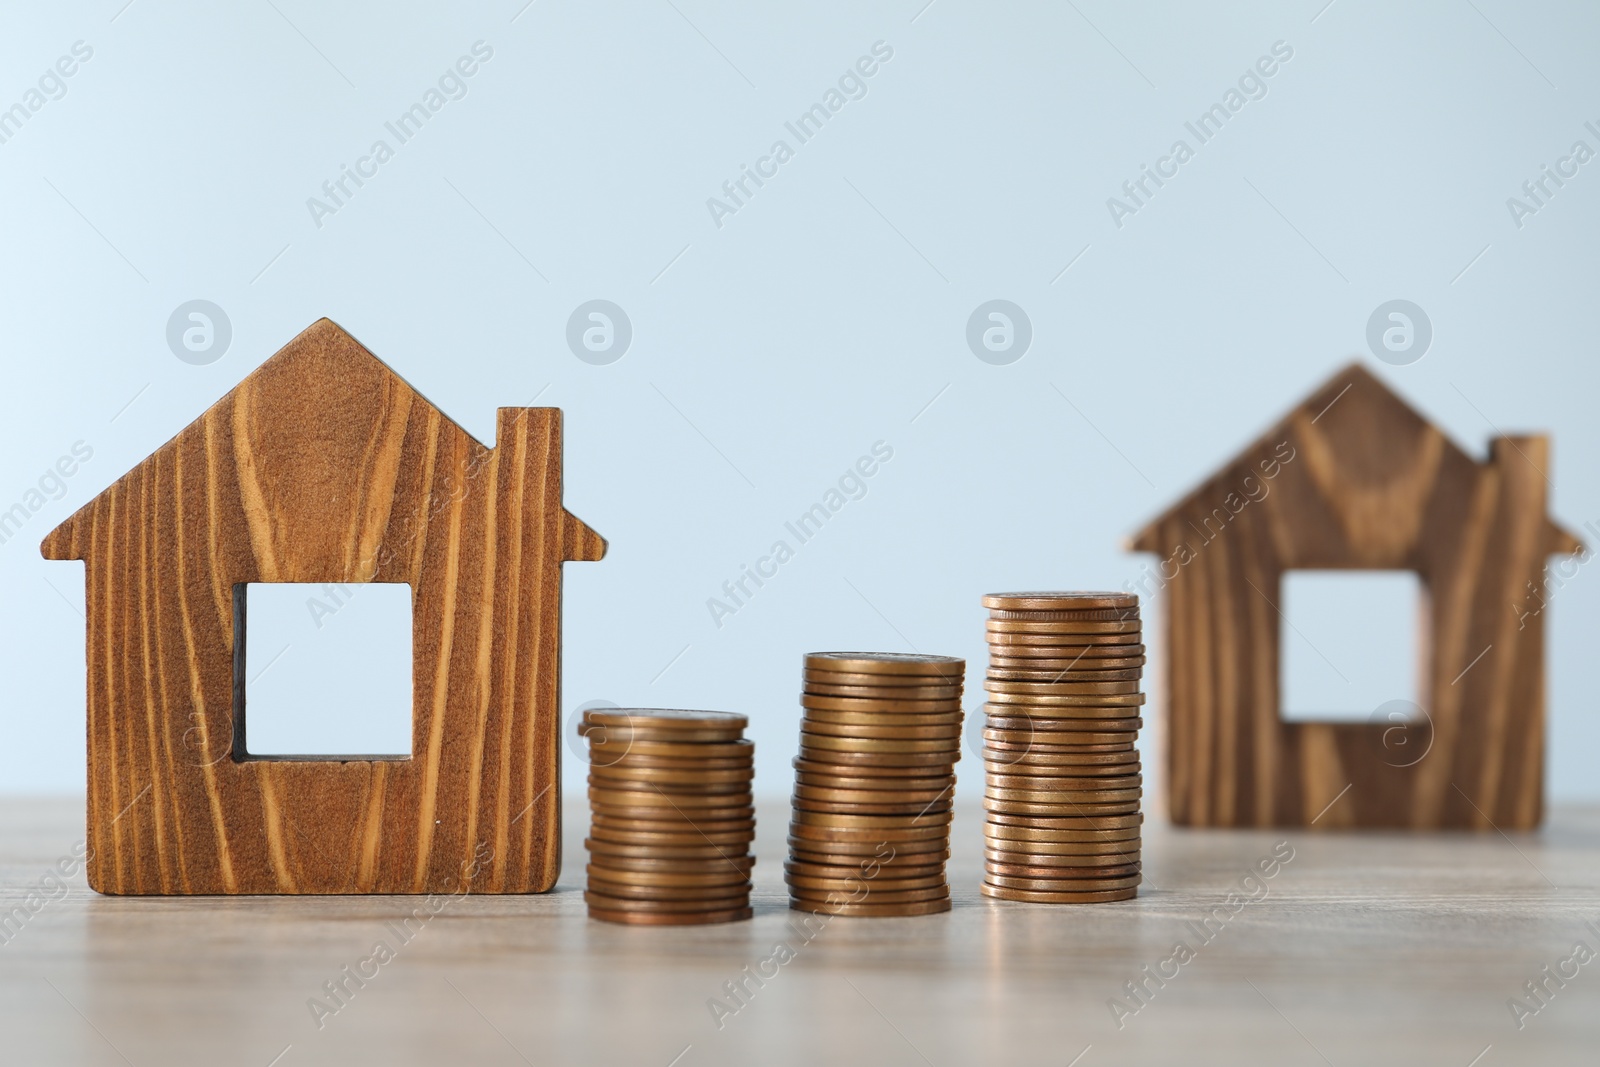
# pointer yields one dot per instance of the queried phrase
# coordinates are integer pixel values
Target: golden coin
(711, 818)
(1068, 615)
(1003, 774)
(1073, 722)
(1013, 763)
(734, 842)
(864, 886)
(1010, 778)
(871, 796)
(1061, 626)
(614, 796)
(877, 680)
(1087, 655)
(867, 893)
(1063, 808)
(1068, 700)
(903, 733)
(696, 750)
(865, 865)
(1065, 874)
(643, 897)
(1040, 646)
(877, 835)
(883, 883)
(621, 736)
(739, 821)
(618, 882)
(917, 863)
(1072, 784)
(728, 891)
(1026, 836)
(850, 867)
(892, 718)
(873, 784)
(622, 803)
(711, 790)
(1119, 742)
(1071, 660)
(628, 762)
(1062, 688)
(834, 807)
(667, 778)
(1019, 759)
(864, 849)
(736, 861)
(922, 762)
(1069, 757)
(877, 744)
(1057, 885)
(849, 880)
(880, 705)
(667, 718)
(650, 853)
(1022, 759)
(1062, 747)
(885, 692)
(1077, 653)
(636, 918)
(1022, 865)
(926, 907)
(886, 663)
(1065, 822)
(869, 822)
(667, 898)
(1037, 752)
(1071, 674)
(1052, 795)
(1057, 741)
(999, 848)
(1057, 898)
(1050, 670)
(1066, 810)
(1092, 755)
(893, 772)
(1070, 599)
(1044, 721)
(608, 902)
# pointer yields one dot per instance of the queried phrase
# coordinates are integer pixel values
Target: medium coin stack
(879, 739)
(671, 816)
(1062, 778)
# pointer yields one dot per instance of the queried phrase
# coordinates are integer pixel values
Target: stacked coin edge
(874, 783)
(672, 816)
(1063, 783)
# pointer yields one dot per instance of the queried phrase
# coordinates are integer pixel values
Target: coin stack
(879, 738)
(1062, 778)
(672, 816)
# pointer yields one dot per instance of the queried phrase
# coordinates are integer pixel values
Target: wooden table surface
(1362, 949)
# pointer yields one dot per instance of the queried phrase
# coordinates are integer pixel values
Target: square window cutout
(1350, 642)
(326, 669)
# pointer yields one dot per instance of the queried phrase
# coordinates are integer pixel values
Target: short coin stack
(672, 816)
(1062, 778)
(879, 738)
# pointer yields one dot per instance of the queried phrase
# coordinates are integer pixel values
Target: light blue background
(826, 315)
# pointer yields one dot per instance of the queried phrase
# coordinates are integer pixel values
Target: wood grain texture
(1354, 478)
(1367, 949)
(325, 466)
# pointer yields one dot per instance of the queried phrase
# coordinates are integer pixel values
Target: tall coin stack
(1062, 778)
(672, 816)
(879, 738)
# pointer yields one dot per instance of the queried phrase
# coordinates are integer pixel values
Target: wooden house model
(323, 465)
(1359, 480)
